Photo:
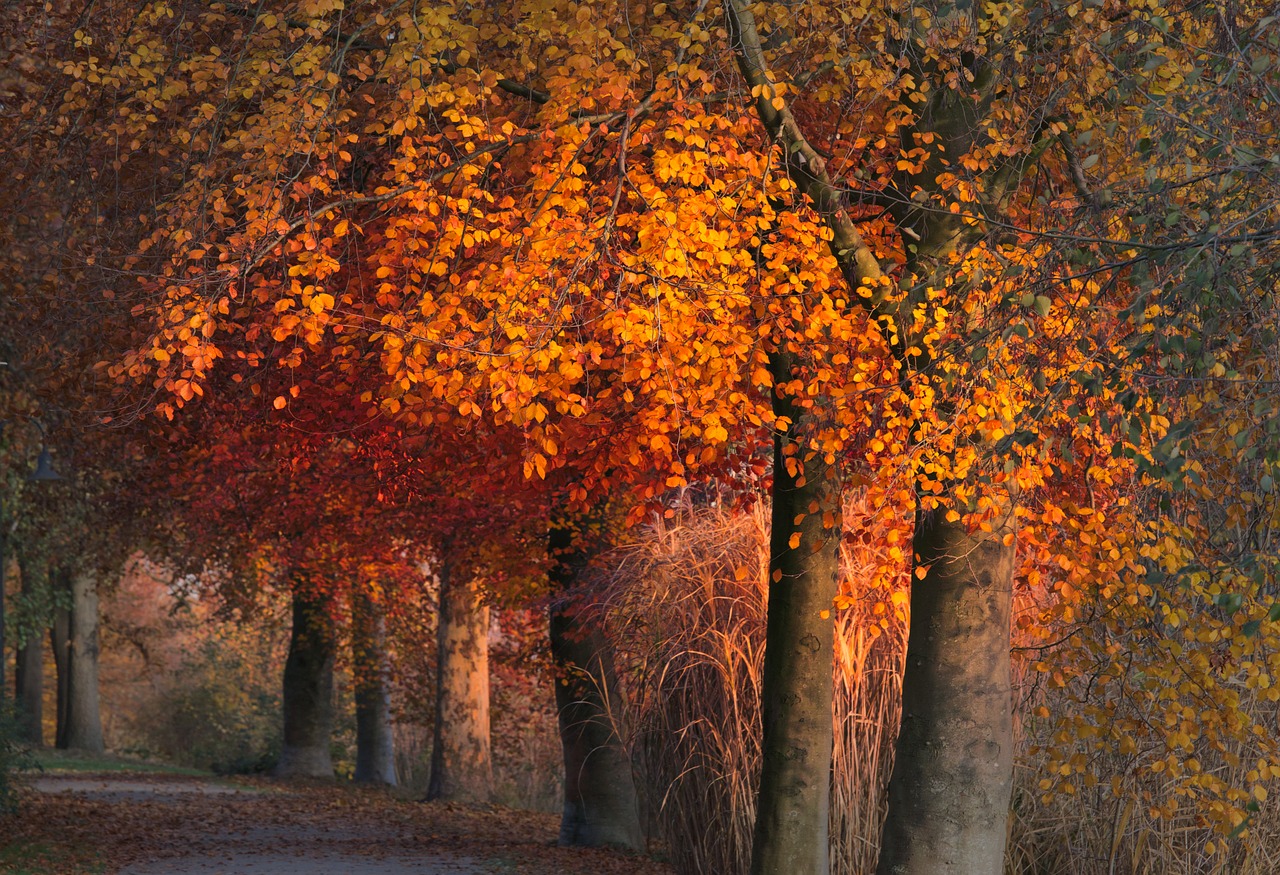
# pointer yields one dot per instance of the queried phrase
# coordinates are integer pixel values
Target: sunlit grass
(55, 761)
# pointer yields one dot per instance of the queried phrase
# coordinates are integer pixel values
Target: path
(174, 825)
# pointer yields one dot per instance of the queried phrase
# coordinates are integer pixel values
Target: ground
(161, 823)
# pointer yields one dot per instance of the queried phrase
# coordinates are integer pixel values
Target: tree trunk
(4, 576)
(953, 772)
(308, 691)
(84, 723)
(600, 802)
(461, 767)
(793, 811)
(30, 690)
(375, 754)
(60, 644)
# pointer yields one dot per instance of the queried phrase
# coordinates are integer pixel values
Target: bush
(217, 714)
(14, 755)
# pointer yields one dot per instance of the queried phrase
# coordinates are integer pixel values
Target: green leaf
(1042, 305)
(1229, 601)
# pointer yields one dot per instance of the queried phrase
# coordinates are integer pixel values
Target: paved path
(251, 862)
(266, 839)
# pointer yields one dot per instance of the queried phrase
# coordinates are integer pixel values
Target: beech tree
(375, 746)
(897, 241)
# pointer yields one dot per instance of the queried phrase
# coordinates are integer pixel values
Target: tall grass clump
(1165, 775)
(687, 605)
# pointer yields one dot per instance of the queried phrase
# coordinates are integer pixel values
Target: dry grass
(691, 644)
(689, 625)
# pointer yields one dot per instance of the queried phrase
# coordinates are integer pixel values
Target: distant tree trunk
(793, 811)
(375, 754)
(60, 644)
(30, 689)
(953, 773)
(461, 766)
(600, 802)
(29, 668)
(84, 723)
(308, 691)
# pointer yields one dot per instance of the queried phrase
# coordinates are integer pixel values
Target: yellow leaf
(794, 540)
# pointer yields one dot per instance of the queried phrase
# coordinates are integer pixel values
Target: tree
(84, 723)
(601, 805)
(952, 194)
(461, 765)
(585, 240)
(375, 749)
(308, 687)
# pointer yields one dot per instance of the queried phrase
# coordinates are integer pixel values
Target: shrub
(217, 713)
(14, 755)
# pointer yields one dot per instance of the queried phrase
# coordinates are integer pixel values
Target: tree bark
(30, 690)
(29, 665)
(308, 691)
(953, 772)
(84, 722)
(375, 753)
(793, 812)
(601, 807)
(461, 765)
(60, 644)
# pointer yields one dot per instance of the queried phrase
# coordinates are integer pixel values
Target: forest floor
(155, 823)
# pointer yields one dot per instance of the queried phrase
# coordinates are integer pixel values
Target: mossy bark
(60, 644)
(461, 763)
(308, 691)
(375, 749)
(953, 772)
(793, 812)
(83, 720)
(30, 689)
(29, 667)
(601, 807)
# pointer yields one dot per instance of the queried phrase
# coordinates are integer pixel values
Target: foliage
(14, 755)
(988, 254)
(180, 685)
(527, 760)
(688, 626)
(214, 717)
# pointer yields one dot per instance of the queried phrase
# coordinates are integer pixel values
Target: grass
(40, 858)
(687, 608)
(56, 761)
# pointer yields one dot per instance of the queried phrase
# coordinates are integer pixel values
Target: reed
(685, 605)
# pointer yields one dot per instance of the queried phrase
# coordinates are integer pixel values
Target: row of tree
(362, 285)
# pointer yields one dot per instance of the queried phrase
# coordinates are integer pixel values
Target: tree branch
(804, 165)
